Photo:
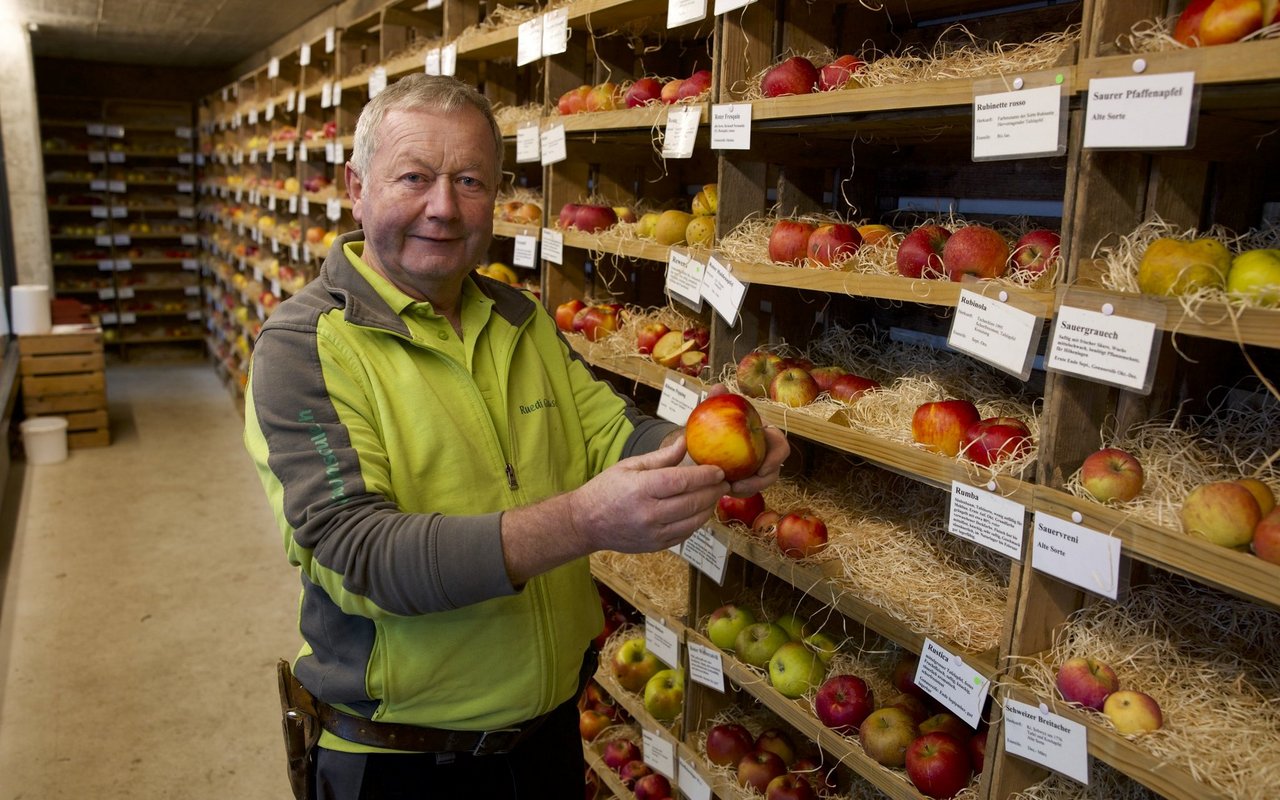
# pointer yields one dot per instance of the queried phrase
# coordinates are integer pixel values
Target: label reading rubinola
(661, 641)
(986, 518)
(995, 332)
(706, 666)
(1047, 739)
(952, 682)
(1076, 554)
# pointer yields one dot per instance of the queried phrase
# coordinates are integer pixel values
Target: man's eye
(468, 181)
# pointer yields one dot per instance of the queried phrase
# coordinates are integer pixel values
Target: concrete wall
(24, 165)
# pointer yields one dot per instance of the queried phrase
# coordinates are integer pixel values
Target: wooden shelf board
(641, 249)
(638, 598)
(1241, 62)
(644, 118)
(512, 230)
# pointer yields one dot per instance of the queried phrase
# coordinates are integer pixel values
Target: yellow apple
(1133, 712)
(1177, 267)
(1224, 513)
(670, 227)
(648, 221)
(700, 231)
(1255, 275)
(1261, 492)
(707, 201)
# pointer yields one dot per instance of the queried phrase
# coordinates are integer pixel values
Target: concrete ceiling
(180, 33)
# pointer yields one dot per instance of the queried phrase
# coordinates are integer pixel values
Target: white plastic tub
(44, 439)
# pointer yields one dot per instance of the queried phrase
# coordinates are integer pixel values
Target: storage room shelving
(121, 185)
(859, 153)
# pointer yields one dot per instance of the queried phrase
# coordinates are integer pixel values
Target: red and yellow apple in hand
(940, 425)
(725, 430)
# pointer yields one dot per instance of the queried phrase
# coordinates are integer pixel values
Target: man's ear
(355, 189)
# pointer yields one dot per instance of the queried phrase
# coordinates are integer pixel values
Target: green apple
(756, 643)
(793, 625)
(824, 644)
(1255, 275)
(633, 665)
(795, 669)
(726, 623)
(664, 694)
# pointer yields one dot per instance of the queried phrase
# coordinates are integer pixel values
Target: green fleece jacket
(389, 448)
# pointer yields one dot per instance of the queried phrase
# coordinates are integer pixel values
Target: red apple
(790, 786)
(766, 522)
(796, 75)
(978, 750)
(653, 786)
(632, 772)
(700, 335)
(912, 705)
(843, 702)
(726, 431)
(568, 213)
(946, 722)
(574, 100)
(740, 509)
(758, 768)
(602, 97)
(591, 723)
(819, 777)
(885, 735)
(756, 371)
(777, 741)
(642, 92)
(692, 362)
(1111, 474)
(904, 676)
(613, 619)
(849, 387)
(938, 765)
(565, 313)
(671, 90)
(789, 241)
(920, 252)
(592, 218)
(728, 743)
(940, 426)
(1187, 29)
(1222, 512)
(975, 250)
(793, 387)
(648, 336)
(825, 376)
(599, 321)
(617, 753)
(1036, 250)
(832, 243)
(695, 84)
(992, 440)
(839, 72)
(1266, 537)
(800, 534)
(1086, 681)
(1226, 21)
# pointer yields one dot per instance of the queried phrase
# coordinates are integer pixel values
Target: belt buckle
(496, 741)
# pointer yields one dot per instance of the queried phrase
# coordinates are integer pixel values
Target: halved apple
(670, 347)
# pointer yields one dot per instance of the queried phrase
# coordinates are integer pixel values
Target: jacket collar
(363, 306)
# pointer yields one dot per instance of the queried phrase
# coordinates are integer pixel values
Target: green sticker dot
(1058, 78)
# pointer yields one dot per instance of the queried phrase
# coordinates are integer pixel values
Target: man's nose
(442, 199)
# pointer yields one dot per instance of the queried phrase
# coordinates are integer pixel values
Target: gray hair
(418, 92)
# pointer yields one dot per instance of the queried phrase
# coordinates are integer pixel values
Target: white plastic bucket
(44, 439)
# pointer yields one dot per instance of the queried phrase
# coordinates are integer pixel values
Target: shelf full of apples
(120, 184)
(856, 218)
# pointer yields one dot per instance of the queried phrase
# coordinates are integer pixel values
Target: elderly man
(441, 463)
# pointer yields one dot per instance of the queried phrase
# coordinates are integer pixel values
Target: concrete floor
(146, 601)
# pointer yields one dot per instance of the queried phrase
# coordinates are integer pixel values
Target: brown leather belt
(415, 738)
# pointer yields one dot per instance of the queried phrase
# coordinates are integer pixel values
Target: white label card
(553, 245)
(553, 145)
(1076, 554)
(1048, 739)
(329, 39)
(722, 6)
(555, 31)
(333, 209)
(273, 68)
(995, 332)
(706, 666)
(1018, 124)
(529, 41)
(1107, 348)
(704, 551)
(128, 318)
(731, 126)
(681, 131)
(304, 56)
(431, 4)
(684, 278)
(659, 752)
(1139, 112)
(682, 12)
(692, 784)
(723, 291)
(326, 94)
(528, 139)
(432, 64)
(526, 251)
(677, 401)
(662, 641)
(377, 81)
(952, 682)
(449, 59)
(985, 518)
(125, 293)
(337, 93)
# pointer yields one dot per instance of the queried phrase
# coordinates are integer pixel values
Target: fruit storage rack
(861, 152)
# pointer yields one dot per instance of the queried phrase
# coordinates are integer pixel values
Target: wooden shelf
(1241, 62)
(638, 598)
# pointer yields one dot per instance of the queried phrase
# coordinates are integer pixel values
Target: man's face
(426, 204)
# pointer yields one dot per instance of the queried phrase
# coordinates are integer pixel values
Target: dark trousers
(548, 764)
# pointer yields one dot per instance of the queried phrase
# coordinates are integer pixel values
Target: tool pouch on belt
(301, 731)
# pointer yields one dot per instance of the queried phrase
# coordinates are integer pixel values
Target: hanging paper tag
(659, 753)
(995, 332)
(377, 81)
(333, 209)
(291, 100)
(692, 784)
(1048, 739)
(661, 641)
(682, 12)
(431, 65)
(707, 553)
(681, 131)
(731, 126)
(528, 139)
(304, 56)
(1020, 124)
(526, 251)
(449, 59)
(337, 93)
(706, 666)
(684, 277)
(273, 68)
(555, 31)
(329, 39)
(529, 41)
(553, 245)
(1076, 554)
(552, 145)
(677, 401)
(1107, 348)
(724, 292)
(1140, 112)
(997, 523)
(952, 682)
(723, 6)
(326, 94)
(302, 102)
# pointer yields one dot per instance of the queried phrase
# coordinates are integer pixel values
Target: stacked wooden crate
(64, 375)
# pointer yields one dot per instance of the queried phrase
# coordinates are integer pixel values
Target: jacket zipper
(511, 477)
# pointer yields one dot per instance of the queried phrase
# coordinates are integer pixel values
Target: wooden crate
(64, 374)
